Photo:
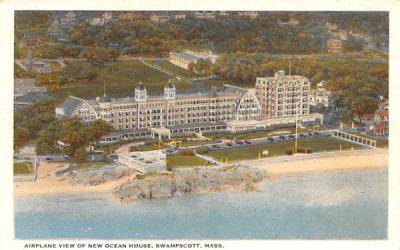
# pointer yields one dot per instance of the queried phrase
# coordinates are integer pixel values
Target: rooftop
(31, 97)
(180, 94)
(194, 56)
(70, 104)
(187, 56)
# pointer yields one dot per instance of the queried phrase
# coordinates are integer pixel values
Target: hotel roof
(70, 104)
(187, 56)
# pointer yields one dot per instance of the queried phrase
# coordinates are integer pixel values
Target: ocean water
(336, 205)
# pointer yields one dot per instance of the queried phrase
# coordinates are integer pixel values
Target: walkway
(209, 159)
(156, 67)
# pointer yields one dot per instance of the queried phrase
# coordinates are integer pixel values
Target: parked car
(282, 138)
(292, 136)
(247, 142)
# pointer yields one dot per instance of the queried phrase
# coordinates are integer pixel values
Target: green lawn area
(121, 71)
(23, 168)
(380, 142)
(194, 143)
(93, 90)
(176, 161)
(217, 83)
(174, 69)
(155, 146)
(121, 81)
(254, 134)
(276, 149)
(147, 147)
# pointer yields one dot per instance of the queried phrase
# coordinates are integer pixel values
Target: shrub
(301, 150)
(308, 151)
(289, 151)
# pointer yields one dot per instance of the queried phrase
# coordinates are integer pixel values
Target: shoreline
(334, 161)
(48, 184)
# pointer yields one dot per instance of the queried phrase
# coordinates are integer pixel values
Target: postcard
(199, 128)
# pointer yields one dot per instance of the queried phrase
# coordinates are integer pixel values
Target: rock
(96, 176)
(180, 183)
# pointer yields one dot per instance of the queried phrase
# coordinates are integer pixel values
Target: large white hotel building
(273, 102)
(283, 95)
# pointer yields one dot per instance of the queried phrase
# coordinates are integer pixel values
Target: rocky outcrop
(181, 183)
(95, 176)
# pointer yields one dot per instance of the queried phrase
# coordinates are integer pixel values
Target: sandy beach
(48, 184)
(334, 161)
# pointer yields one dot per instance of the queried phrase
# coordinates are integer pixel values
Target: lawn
(174, 69)
(23, 168)
(255, 134)
(126, 71)
(176, 161)
(148, 147)
(380, 142)
(194, 143)
(218, 83)
(156, 146)
(276, 149)
(118, 82)
(93, 90)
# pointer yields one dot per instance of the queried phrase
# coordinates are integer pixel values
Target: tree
(79, 154)
(51, 81)
(34, 118)
(97, 129)
(99, 56)
(21, 137)
(202, 67)
(364, 105)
